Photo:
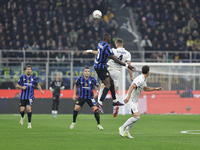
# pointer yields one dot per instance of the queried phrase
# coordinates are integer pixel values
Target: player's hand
(74, 97)
(23, 87)
(42, 92)
(159, 89)
(132, 79)
(131, 68)
(126, 100)
(85, 52)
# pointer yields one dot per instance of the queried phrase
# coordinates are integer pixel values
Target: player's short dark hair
(106, 37)
(119, 41)
(86, 68)
(145, 69)
(28, 66)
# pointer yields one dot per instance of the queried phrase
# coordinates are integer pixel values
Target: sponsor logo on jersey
(29, 84)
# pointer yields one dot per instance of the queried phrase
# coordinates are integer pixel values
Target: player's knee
(108, 86)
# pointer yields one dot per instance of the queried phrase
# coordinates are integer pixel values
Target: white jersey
(122, 55)
(140, 82)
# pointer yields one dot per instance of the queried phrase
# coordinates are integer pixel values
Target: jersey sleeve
(52, 84)
(109, 51)
(128, 58)
(35, 81)
(77, 82)
(96, 83)
(137, 82)
(20, 81)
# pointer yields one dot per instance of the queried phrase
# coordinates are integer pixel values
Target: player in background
(26, 84)
(114, 68)
(86, 84)
(100, 65)
(55, 88)
(131, 100)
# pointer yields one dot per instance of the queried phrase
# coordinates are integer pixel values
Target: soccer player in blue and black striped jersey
(86, 84)
(26, 83)
(100, 65)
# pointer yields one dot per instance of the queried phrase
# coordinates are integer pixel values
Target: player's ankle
(100, 102)
(114, 101)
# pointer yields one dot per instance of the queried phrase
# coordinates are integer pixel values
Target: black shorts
(102, 73)
(81, 102)
(25, 102)
(56, 97)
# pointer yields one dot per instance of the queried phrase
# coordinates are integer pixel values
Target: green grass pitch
(151, 132)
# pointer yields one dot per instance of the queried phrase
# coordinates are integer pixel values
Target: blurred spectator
(187, 93)
(35, 46)
(181, 43)
(195, 57)
(192, 24)
(197, 44)
(73, 35)
(77, 59)
(60, 58)
(161, 57)
(176, 58)
(60, 47)
(109, 15)
(190, 43)
(153, 57)
(146, 43)
(51, 44)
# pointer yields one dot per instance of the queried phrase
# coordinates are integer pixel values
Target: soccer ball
(97, 14)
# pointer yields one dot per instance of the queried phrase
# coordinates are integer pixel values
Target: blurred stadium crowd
(52, 25)
(168, 25)
(165, 25)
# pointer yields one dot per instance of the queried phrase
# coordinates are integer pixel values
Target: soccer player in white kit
(131, 100)
(115, 68)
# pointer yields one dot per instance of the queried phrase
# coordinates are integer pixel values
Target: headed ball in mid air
(97, 14)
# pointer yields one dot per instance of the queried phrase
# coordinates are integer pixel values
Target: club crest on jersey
(31, 79)
(86, 84)
(90, 82)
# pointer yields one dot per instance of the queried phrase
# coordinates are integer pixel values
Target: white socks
(100, 93)
(54, 112)
(129, 123)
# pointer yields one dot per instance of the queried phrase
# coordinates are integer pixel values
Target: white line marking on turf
(191, 132)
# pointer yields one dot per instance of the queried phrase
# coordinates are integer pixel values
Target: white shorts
(115, 75)
(132, 107)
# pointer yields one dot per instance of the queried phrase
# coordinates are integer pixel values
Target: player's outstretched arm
(129, 92)
(130, 72)
(90, 51)
(39, 87)
(20, 87)
(75, 90)
(122, 63)
(153, 89)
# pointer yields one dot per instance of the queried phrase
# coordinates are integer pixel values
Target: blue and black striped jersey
(103, 52)
(86, 87)
(29, 82)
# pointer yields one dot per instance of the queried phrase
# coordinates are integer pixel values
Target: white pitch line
(191, 132)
